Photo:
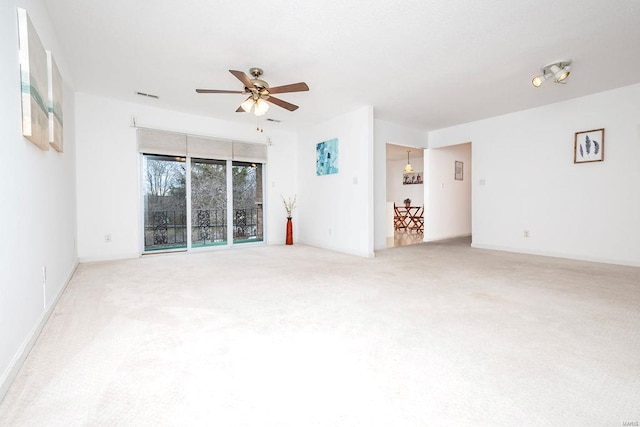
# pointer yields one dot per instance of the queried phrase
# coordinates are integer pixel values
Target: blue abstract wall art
(327, 157)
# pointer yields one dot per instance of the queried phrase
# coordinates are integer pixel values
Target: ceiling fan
(260, 93)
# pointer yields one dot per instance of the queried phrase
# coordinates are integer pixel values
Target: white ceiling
(399, 152)
(426, 64)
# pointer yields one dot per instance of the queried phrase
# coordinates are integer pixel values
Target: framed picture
(588, 146)
(55, 104)
(327, 157)
(458, 170)
(34, 83)
(412, 178)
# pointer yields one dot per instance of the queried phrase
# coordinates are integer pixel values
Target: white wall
(448, 210)
(396, 190)
(525, 159)
(108, 171)
(384, 133)
(38, 202)
(336, 211)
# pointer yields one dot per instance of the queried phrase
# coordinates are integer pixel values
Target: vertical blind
(152, 141)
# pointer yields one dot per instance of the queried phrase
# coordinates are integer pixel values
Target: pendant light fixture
(408, 168)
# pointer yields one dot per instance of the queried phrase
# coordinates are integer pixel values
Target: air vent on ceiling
(148, 95)
(274, 120)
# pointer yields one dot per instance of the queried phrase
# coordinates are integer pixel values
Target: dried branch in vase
(289, 204)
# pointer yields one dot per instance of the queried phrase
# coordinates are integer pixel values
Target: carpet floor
(430, 334)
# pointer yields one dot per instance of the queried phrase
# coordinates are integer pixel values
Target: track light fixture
(558, 71)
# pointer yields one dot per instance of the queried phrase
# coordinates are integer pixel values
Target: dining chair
(418, 220)
(399, 220)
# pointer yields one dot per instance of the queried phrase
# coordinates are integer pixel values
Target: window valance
(153, 141)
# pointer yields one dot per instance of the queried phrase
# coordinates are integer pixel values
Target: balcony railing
(167, 229)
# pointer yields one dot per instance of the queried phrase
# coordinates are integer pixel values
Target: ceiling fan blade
(240, 110)
(218, 91)
(294, 87)
(284, 104)
(243, 78)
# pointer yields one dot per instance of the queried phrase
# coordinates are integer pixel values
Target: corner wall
(524, 178)
(38, 211)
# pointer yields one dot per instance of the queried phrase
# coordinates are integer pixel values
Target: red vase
(289, 231)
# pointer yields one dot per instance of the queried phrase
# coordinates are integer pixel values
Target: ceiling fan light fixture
(261, 107)
(246, 105)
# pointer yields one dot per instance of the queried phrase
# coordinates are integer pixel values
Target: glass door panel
(208, 202)
(165, 208)
(248, 223)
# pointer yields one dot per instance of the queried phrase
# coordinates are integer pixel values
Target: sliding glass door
(165, 208)
(248, 224)
(187, 204)
(208, 202)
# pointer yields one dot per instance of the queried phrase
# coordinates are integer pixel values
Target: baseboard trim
(439, 238)
(82, 260)
(21, 355)
(362, 254)
(627, 263)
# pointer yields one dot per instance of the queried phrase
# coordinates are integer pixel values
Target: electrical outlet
(107, 238)
(526, 234)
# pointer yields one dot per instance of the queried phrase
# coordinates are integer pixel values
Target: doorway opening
(405, 195)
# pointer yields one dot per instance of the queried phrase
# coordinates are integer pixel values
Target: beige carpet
(432, 334)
